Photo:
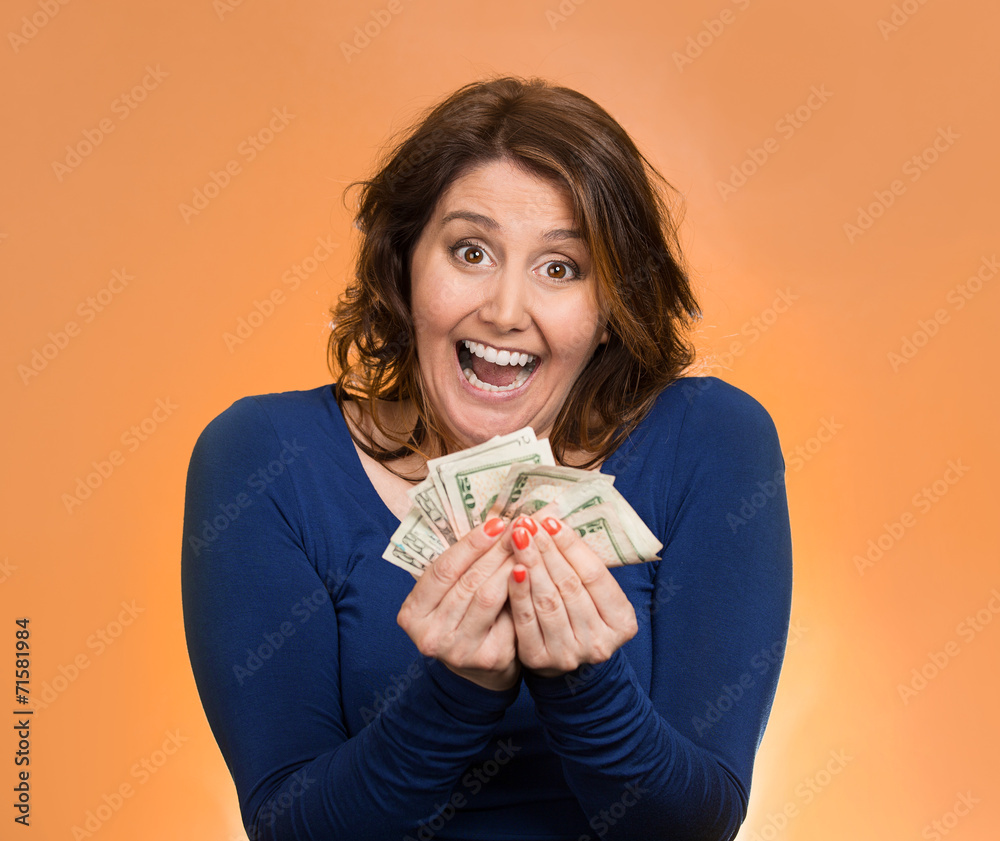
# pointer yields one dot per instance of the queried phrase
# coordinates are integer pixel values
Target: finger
(485, 607)
(530, 643)
(604, 592)
(480, 589)
(550, 612)
(582, 614)
(449, 567)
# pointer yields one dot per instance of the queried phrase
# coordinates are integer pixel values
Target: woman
(517, 268)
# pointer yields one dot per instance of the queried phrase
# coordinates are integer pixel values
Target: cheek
(437, 302)
(580, 328)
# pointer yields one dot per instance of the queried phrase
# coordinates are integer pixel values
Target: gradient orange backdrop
(842, 225)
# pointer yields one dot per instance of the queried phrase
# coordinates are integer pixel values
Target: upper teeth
(499, 357)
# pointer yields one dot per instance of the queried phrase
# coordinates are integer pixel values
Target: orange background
(845, 755)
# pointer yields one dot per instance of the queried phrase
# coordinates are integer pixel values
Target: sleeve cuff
(466, 700)
(584, 684)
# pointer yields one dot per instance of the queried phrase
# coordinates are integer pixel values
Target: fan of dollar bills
(508, 476)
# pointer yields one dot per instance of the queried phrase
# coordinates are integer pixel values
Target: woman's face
(504, 303)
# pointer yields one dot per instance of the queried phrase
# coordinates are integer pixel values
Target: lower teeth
(465, 357)
(519, 380)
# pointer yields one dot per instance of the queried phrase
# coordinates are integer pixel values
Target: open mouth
(489, 369)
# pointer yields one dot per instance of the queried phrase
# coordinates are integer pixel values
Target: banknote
(509, 476)
(528, 488)
(414, 544)
(512, 442)
(426, 497)
(473, 484)
(603, 531)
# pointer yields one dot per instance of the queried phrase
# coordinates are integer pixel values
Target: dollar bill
(602, 530)
(509, 476)
(529, 488)
(520, 439)
(414, 545)
(473, 485)
(426, 497)
(587, 495)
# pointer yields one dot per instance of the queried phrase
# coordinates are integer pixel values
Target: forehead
(502, 188)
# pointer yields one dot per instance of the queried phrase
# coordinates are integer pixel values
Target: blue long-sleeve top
(333, 725)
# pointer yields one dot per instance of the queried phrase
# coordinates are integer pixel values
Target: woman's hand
(567, 608)
(455, 612)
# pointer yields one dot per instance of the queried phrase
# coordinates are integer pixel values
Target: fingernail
(551, 525)
(521, 538)
(526, 523)
(519, 575)
(493, 527)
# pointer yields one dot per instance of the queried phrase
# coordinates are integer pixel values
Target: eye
(561, 270)
(468, 253)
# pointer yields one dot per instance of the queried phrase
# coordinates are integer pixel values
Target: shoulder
(711, 410)
(259, 423)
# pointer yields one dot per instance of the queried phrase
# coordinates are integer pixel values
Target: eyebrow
(492, 224)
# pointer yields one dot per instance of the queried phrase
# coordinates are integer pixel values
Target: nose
(506, 305)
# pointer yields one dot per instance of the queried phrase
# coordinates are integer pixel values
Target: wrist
(496, 681)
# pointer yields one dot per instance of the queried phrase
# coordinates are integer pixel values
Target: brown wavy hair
(623, 216)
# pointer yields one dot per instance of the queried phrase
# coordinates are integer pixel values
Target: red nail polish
(519, 575)
(521, 538)
(526, 523)
(494, 527)
(551, 525)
